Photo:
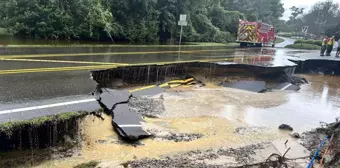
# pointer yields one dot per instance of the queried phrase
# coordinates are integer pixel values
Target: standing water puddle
(316, 102)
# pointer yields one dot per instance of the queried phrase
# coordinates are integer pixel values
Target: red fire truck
(256, 33)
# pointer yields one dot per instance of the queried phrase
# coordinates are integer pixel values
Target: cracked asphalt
(35, 74)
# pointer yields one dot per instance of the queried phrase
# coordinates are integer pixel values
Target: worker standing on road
(324, 46)
(330, 45)
(338, 49)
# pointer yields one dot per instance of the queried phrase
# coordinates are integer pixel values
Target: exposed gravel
(164, 135)
(200, 159)
(147, 106)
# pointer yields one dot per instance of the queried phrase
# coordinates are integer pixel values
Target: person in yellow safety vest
(330, 46)
(338, 49)
(324, 46)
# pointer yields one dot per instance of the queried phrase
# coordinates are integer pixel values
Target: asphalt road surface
(39, 76)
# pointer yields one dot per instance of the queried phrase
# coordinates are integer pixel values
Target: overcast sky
(300, 4)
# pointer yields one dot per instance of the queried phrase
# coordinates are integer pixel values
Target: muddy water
(101, 141)
(215, 113)
(187, 111)
(316, 102)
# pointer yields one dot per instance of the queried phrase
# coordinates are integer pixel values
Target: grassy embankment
(8, 127)
(306, 44)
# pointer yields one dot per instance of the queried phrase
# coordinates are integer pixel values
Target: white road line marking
(129, 126)
(46, 106)
(284, 88)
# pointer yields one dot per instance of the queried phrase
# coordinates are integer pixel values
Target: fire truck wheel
(242, 45)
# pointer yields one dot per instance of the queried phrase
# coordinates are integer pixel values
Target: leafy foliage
(304, 46)
(322, 19)
(135, 21)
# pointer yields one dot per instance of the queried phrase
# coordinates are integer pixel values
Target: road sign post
(304, 31)
(182, 22)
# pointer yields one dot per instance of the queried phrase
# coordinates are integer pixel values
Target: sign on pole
(304, 29)
(182, 22)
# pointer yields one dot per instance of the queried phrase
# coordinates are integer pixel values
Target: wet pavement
(42, 73)
(288, 41)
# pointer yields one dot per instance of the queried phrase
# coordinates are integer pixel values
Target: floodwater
(100, 142)
(214, 112)
(316, 102)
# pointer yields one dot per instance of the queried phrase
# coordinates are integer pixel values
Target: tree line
(134, 21)
(322, 19)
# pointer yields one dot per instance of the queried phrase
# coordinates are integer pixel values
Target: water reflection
(315, 103)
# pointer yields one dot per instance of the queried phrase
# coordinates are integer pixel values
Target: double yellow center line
(104, 66)
(108, 54)
(57, 69)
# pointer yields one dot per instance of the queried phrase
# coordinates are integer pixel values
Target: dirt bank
(311, 140)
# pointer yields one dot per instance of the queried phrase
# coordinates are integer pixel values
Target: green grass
(279, 40)
(188, 44)
(91, 164)
(304, 46)
(8, 127)
(314, 42)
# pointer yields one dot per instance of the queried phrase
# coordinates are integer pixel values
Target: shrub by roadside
(304, 46)
(312, 42)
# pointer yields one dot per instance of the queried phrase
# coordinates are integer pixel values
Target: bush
(304, 46)
(312, 42)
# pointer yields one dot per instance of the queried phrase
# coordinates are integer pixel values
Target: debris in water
(285, 127)
(286, 86)
(295, 135)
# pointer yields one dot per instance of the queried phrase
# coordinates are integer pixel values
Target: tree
(134, 21)
(294, 20)
(322, 16)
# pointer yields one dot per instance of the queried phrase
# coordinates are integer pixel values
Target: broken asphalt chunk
(109, 97)
(128, 124)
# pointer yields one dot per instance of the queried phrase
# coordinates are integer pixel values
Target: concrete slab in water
(253, 86)
(127, 123)
(286, 86)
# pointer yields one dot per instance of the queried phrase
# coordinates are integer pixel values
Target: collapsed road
(128, 124)
(127, 121)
